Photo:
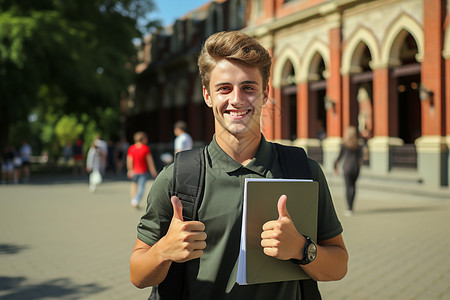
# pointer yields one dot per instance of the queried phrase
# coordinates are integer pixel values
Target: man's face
(236, 97)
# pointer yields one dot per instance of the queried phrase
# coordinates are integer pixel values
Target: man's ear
(207, 97)
(266, 94)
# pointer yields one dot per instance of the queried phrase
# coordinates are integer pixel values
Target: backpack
(188, 184)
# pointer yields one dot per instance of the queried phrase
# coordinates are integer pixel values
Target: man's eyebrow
(249, 82)
(222, 83)
(241, 83)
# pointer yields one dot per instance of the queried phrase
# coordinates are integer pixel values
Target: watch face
(312, 252)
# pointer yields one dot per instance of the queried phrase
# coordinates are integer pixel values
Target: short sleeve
(156, 220)
(329, 225)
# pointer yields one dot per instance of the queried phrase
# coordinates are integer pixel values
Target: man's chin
(237, 129)
(243, 131)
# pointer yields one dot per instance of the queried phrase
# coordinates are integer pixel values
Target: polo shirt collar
(259, 164)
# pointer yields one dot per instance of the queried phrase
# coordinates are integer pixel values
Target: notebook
(260, 205)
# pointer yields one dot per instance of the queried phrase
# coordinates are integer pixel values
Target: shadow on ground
(15, 288)
(11, 249)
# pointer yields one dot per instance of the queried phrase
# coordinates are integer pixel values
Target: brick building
(380, 65)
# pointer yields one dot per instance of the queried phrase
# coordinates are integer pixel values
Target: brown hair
(139, 136)
(180, 125)
(351, 138)
(233, 45)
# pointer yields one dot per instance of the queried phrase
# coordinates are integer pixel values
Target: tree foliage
(65, 59)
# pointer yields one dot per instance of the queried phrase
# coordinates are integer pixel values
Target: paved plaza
(59, 241)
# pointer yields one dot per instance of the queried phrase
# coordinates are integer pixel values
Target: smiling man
(235, 72)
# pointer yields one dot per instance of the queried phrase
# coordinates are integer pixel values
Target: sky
(170, 10)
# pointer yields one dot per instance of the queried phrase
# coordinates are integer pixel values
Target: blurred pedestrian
(93, 164)
(67, 153)
(139, 163)
(122, 149)
(111, 157)
(103, 151)
(78, 157)
(351, 156)
(183, 141)
(25, 155)
(7, 165)
(17, 162)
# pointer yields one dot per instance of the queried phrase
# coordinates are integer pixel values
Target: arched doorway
(288, 103)
(317, 91)
(406, 76)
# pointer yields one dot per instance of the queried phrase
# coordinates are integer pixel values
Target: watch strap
(305, 259)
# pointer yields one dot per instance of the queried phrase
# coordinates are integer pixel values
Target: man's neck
(241, 148)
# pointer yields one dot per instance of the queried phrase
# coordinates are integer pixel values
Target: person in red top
(139, 163)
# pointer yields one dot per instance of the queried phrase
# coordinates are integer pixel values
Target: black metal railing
(404, 156)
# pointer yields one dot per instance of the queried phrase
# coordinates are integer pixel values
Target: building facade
(382, 66)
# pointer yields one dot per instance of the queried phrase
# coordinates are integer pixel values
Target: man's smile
(237, 114)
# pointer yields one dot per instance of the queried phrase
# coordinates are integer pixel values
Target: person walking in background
(122, 149)
(17, 162)
(139, 163)
(25, 155)
(67, 153)
(7, 165)
(183, 141)
(111, 157)
(103, 150)
(351, 157)
(93, 165)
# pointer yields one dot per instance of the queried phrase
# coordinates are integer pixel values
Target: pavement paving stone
(67, 243)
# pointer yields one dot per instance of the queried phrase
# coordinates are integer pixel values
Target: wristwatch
(309, 253)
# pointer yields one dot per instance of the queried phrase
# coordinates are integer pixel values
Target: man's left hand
(280, 238)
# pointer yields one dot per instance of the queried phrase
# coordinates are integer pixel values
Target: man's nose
(235, 97)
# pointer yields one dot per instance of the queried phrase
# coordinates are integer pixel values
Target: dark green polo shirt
(214, 275)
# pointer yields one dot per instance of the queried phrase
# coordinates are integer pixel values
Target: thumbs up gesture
(184, 241)
(280, 238)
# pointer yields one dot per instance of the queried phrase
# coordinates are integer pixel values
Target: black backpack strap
(294, 165)
(188, 185)
(189, 180)
(294, 162)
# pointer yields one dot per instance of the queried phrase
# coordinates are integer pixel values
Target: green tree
(65, 58)
(68, 129)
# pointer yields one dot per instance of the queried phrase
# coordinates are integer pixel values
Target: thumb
(177, 208)
(282, 210)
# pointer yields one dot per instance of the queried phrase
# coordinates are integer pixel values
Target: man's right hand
(184, 241)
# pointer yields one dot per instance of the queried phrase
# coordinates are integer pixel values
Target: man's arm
(184, 241)
(147, 266)
(130, 166)
(280, 239)
(331, 261)
(151, 165)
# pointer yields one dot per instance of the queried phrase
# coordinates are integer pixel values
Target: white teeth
(237, 113)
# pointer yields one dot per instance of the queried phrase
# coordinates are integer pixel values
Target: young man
(139, 163)
(235, 71)
(183, 141)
